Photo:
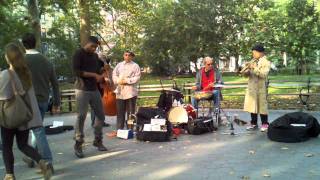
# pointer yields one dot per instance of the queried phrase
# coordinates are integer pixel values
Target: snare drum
(181, 114)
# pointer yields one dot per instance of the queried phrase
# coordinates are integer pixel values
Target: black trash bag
(294, 127)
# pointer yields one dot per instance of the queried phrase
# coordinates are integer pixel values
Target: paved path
(207, 156)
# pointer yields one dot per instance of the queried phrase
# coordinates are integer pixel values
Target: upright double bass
(109, 97)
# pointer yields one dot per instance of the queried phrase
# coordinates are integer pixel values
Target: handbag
(17, 110)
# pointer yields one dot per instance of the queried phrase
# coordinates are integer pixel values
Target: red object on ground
(176, 131)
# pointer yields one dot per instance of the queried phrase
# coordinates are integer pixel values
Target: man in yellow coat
(256, 96)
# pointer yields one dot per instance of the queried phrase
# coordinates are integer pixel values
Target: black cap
(258, 47)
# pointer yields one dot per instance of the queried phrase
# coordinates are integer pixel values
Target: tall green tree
(302, 33)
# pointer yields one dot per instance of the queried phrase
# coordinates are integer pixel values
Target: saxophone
(245, 70)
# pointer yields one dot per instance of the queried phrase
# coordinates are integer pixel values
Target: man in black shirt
(86, 69)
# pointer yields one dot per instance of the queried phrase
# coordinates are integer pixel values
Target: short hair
(29, 41)
(207, 58)
(130, 52)
(93, 39)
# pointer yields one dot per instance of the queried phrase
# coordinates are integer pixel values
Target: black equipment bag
(144, 116)
(167, 97)
(57, 130)
(200, 125)
(282, 130)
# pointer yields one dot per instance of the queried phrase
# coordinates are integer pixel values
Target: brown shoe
(78, 150)
(99, 145)
(9, 177)
(46, 169)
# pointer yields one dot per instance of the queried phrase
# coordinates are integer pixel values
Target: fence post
(70, 103)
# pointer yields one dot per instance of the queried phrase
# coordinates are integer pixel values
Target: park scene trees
(169, 34)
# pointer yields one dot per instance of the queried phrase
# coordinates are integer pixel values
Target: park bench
(68, 97)
(304, 89)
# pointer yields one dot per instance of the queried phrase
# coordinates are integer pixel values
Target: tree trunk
(33, 10)
(84, 21)
(236, 62)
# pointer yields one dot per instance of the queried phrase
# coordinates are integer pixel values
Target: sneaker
(46, 169)
(30, 163)
(264, 127)
(252, 127)
(9, 177)
(99, 145)
(78, 150)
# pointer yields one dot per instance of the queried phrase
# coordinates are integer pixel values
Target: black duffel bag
(293, 127)
(200, 126)
(144, 116)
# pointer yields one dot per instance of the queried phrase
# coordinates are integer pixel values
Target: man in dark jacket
(43, 79)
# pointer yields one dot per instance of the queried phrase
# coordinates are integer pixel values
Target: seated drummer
(206, 78)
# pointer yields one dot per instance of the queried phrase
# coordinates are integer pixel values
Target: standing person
(86, 69)
(126, 76)
(256, 96)
(206, 78)
(21, 75)
(43, 78)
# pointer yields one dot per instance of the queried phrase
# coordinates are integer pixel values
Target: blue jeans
(39, 138)
(216, 99)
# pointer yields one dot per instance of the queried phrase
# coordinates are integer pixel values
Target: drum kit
(186, 114)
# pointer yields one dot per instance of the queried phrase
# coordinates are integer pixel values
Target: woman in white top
(21, 75)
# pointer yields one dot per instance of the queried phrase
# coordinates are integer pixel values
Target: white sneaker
(252, 127)
(264, 127)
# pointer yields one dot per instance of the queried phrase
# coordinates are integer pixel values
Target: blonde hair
(15, 57)
(206, 59)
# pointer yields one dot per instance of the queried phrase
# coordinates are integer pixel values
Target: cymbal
(173, 90)
(218, 85)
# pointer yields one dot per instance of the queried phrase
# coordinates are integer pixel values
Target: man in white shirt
(126, 76)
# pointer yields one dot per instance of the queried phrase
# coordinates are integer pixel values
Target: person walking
(44, 79)
(19, 74)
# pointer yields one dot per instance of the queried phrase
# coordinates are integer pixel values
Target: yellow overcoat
(256, 94)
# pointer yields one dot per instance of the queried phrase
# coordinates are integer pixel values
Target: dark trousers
(7, 136)
(125, 106)
(254, 118)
